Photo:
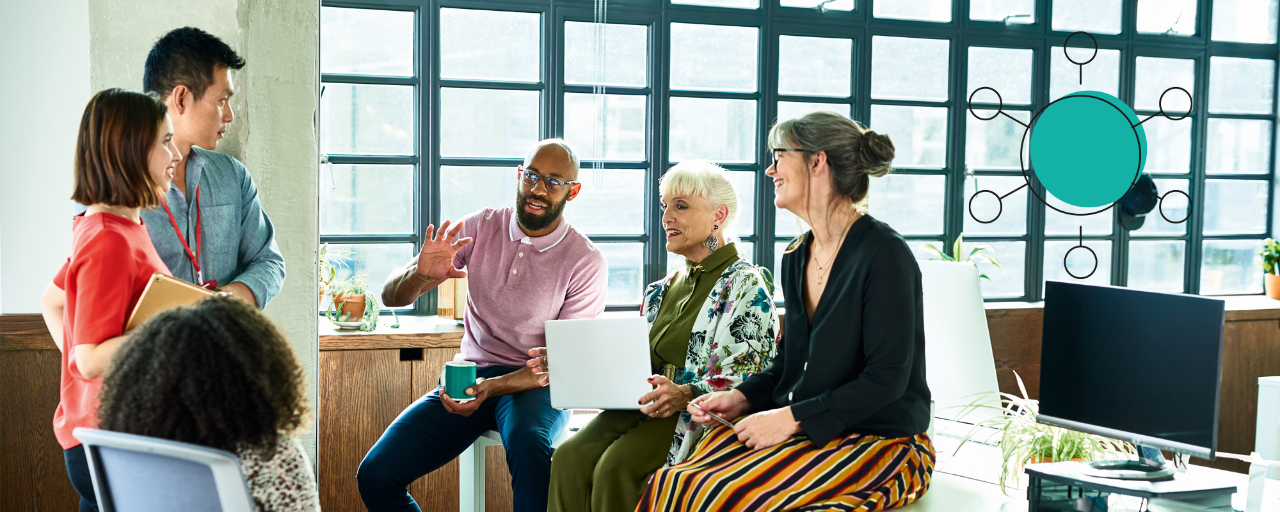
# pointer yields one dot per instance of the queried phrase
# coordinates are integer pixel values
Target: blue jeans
(78, 470)
(426, 437)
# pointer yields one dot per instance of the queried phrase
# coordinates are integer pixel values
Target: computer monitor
(1137, 366)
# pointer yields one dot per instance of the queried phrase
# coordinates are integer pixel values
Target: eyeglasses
(776, 150)
(530, 179)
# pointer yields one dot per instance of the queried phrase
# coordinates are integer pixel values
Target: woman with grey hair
(711, 325)
(843, 407)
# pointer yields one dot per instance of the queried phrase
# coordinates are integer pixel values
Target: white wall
(44, 84)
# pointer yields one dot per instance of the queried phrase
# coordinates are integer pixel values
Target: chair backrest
(958, 358)
(134, 473)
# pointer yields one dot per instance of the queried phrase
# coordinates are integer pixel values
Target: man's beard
(538, 222)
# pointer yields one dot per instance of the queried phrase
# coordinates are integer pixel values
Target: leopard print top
(283, 483)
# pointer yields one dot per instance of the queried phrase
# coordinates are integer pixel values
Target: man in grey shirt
(212, 229)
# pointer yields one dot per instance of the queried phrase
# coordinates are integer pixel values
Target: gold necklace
(821, 271)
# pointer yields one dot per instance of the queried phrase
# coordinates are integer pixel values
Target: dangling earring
(712, 242)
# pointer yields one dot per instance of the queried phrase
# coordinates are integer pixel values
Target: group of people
(847, 435)
(159, 200)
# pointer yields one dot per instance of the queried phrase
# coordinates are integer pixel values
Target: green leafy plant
(330, 261)
(979, 254)
(1270, 256)
(357, 285)
(1023, 440)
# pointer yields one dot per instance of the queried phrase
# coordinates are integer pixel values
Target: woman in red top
(124, 161)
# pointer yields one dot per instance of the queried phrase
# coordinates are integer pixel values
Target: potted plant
(330, 261)
(353, 305)
(1271, 263)
(979, 254)
(1023, 440)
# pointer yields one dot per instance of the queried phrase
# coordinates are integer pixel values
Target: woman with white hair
(711, 325)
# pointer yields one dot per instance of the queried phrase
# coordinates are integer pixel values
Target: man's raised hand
(435, 260)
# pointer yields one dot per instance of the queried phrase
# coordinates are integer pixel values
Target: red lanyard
(193, 256)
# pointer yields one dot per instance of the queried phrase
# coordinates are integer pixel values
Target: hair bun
(877, 153)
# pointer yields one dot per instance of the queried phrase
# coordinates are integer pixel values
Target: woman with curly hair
(218, 374)
(711, 325)
(837, 421)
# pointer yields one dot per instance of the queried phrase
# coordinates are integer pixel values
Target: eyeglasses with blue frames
(530, 179)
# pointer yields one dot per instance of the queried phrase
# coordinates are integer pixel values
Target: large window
(429, 105)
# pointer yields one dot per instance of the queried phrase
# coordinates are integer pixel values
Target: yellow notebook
(164, 293)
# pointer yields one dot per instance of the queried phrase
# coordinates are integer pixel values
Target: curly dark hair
(186, 56)
(217, 374)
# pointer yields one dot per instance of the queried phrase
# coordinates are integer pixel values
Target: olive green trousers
(606, 465)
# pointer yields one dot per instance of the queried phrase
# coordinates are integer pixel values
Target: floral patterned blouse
(283, 483)
(734, 336)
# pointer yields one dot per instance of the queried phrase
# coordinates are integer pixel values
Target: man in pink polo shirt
(525, 265)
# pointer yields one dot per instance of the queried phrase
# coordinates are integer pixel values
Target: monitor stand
(1149, 466)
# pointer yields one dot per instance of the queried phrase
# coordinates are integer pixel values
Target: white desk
(968, 482)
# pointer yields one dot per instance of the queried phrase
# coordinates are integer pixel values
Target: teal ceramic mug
(458, 376)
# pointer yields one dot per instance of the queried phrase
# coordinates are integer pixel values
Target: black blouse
(865, 342)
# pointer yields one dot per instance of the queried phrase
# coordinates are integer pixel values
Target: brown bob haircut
(117, 132)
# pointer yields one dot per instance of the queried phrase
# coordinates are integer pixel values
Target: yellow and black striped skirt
(857, 473)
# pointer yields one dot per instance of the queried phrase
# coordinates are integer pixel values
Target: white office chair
(471, 463)
(958, 358)
(134, 473)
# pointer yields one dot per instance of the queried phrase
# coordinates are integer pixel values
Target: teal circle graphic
(1087, 149)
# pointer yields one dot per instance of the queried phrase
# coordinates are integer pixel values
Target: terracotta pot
(353, 305)
(1272, 283)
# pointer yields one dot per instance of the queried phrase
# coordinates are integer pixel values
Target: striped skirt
(857, 473)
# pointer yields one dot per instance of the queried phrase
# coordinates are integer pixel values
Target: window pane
(830, 5)
(1006, 70)
(919, 134)
(744, 183)
(927, 10)
(1155, 76)
(623, 125)
(1156, 266)
(616, 208)
(1079, 261)
(464, 190)
(911, 204)
(778, 249)
(1231, 267)
(1170, 17)
(366, 119)
(1245, 21)
(1235, 206)
(490, 45)
(710, 57)
(626, 277)
(626, 54)
(998, 10)
(908, 68)
(1102, 74)
(746, 251)
(1011, 282)
(787, 224)
(994, 144)
(366, 42)
(815, 65)
(1012, 210)
(1241, 85)
(1174, 207)
(366, 199)
(376, 261)
(1239, 146)
(713, 129)
(1096, 16)
(793, 109)
(917, 248)
(487, 122)
(742, 4)
(1168, 144)
(1058, 223)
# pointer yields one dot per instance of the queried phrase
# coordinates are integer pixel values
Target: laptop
(598, 363)
(162, 294)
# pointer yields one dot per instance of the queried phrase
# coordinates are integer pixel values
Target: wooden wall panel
(33, 475)
(1015, 345)
(361, 392)
(1250, 349)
